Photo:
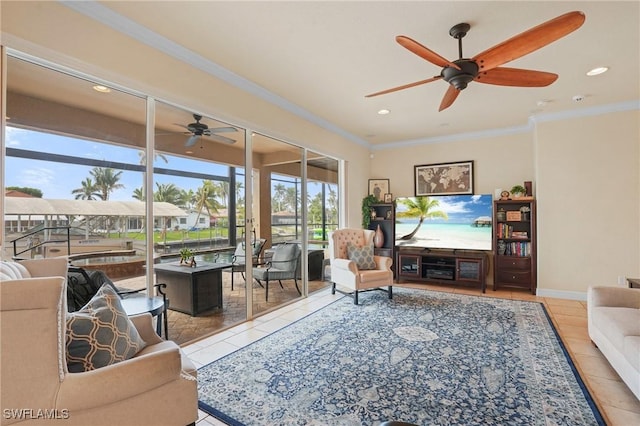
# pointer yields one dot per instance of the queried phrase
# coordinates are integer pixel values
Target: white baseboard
(560, 294)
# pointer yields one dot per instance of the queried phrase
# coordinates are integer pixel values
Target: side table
(136, 304)
(634, 282)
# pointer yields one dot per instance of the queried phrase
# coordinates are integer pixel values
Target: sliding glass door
(130, 182)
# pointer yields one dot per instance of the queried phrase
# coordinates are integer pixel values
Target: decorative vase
(378, 238)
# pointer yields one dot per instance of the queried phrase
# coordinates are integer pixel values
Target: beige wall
(588, 201)
(586, 180)
(499, 162)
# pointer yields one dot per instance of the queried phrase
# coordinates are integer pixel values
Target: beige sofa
(614, 327)
(156, 387)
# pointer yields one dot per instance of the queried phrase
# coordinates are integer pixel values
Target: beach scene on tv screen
(445, 222)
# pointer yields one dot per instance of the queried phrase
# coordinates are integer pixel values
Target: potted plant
(187, 257)
(367, 202)
(518, 191)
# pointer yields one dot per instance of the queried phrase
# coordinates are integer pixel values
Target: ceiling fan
(485, 67)
(198, 129)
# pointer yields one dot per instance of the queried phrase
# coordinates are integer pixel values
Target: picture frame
(378, 187)
(454, 178)
(388, 198)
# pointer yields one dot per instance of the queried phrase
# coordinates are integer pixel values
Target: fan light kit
(597, 71)
(486, 67)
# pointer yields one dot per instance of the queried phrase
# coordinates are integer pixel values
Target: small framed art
(378, 187)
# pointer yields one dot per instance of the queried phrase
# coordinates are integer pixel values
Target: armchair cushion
(363, 256)
(14, 270)
(100, 334)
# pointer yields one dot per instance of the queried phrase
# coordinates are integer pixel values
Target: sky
(460, 208)
(57, 180)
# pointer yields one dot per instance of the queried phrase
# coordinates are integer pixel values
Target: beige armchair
(156, 387)
(345, 271)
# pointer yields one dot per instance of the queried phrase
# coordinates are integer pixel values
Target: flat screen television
(460, 222)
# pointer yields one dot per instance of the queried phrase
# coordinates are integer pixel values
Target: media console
(442, 266)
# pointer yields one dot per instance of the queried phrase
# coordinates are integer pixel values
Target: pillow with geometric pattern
(100, 333)
(363, 256)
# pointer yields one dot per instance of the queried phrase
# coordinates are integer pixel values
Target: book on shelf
(518, 249)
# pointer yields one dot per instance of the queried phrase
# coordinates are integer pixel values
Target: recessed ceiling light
(384, 112)
(597, 71)
(188, 152)
(101, 89)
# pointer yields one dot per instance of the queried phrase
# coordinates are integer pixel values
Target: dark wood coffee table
(192, 290)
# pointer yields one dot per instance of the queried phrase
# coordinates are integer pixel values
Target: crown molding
(106, 16)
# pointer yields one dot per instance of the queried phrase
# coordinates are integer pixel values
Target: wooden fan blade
(449, 98)
(406, 86)
(424, 53)
(503, 76)
(529, 41)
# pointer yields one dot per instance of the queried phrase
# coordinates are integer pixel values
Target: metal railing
(31, 245)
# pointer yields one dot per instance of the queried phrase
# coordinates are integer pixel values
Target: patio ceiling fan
(198, 129)
(485, 67)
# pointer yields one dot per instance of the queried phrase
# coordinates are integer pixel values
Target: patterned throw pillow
(363, 256)
(100, 333)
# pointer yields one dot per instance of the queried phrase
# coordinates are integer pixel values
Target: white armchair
(345, 271)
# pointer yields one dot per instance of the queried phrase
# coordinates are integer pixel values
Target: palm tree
(88, 191)
(422, 208)
(187, 198)
(279, 194)
(205, 199)
(167, 192)
(138, 194)
(143, 157)
(106, 180)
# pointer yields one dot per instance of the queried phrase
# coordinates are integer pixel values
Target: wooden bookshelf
(514, 244)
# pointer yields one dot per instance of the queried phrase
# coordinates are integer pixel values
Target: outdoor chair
(83, 284)
(283, 265)
(238, 260)
(354, 266)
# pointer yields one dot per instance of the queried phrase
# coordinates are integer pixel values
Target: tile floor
(615, 401)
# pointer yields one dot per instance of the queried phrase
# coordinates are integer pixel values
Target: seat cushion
(370, 276)
(363, 256)
(100, 333)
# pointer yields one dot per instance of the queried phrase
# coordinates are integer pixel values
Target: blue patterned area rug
(425, 357)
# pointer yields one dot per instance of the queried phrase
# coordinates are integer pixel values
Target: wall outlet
(622, 281)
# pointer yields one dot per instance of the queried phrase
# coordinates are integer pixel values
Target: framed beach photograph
(378, 187)
(443, 179)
